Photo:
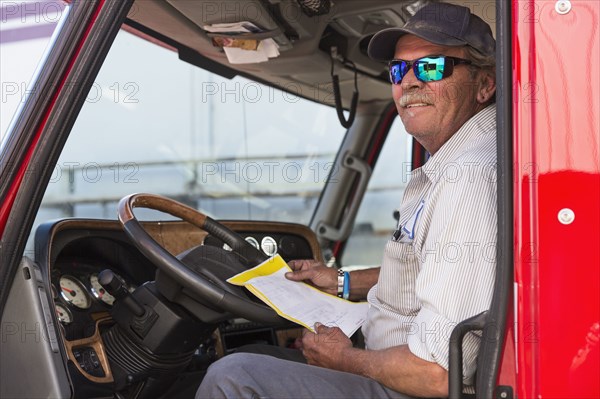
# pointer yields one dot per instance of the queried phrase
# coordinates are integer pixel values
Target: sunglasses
(426, 69)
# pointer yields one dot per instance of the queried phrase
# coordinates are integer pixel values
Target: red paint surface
(8, 203)
(556, 66)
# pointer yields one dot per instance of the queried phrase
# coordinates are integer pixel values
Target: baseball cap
(439, 23)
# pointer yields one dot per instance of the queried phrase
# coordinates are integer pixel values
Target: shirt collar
(483, 122)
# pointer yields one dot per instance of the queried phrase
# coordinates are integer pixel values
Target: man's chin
(417, 118)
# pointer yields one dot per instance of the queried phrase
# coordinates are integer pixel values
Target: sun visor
(265, 22)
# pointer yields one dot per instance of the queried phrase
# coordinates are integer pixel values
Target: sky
(25, 30)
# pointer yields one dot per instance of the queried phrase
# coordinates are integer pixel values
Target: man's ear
(487, 87)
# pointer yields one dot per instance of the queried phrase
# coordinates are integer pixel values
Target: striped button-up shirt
(439, 267)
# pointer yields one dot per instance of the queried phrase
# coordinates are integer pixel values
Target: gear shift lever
(117, 288)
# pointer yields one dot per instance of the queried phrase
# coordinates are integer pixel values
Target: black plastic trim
(490, 352)
(187, 54)
(455, 361)
(493, 322)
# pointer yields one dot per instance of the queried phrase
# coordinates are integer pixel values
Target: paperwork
(300, 302)
(238, 43)
(233, 28)
(266, 49)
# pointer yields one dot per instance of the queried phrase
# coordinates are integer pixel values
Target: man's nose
(410, 81)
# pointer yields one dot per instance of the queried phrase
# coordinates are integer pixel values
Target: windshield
(234, 149)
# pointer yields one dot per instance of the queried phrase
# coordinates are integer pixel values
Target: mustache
(413, 98)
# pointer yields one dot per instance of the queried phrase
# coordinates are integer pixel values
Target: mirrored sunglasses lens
(430, 69)
(397, 72)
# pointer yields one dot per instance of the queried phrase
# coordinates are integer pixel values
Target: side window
(25, 32)
(375, 221)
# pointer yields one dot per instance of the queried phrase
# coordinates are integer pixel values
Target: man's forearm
(398, 369)
(361, 282)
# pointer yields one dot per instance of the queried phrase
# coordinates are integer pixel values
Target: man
(438, 268)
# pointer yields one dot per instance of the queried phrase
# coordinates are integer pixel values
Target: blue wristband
(346, 293)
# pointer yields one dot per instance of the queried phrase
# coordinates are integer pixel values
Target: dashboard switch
(88, 361)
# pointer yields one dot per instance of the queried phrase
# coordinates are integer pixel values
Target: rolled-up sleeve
(431, 342)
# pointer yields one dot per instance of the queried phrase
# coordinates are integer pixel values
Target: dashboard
(73, 252)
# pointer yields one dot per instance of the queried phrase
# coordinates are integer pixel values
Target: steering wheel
(202, 288)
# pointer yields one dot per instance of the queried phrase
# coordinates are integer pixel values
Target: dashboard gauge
(64, 316)
(74, 292)
(269, 246)
(99, 291)
(252, 242)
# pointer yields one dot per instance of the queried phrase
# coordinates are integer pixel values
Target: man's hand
(314, 273)
(395, 367)
(325, 348)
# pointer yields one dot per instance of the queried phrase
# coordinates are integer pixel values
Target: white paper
(267, 48)
(237, 55)
(299, 302)
(234, 27)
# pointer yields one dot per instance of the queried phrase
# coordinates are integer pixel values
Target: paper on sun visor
(234, 27)
(300, 302)
(236, 54)
(266, 49)
(240, 56)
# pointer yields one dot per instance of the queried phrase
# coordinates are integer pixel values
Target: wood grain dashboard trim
(94, 342)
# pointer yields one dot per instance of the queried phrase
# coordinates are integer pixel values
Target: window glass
(375, 221)
(25, 31)
(234, 149)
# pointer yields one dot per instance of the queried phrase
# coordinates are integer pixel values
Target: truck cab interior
(160, 164)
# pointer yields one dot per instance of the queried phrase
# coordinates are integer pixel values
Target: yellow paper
(298, 301)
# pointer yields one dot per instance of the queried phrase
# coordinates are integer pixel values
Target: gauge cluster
(78, 294)
(289, 246)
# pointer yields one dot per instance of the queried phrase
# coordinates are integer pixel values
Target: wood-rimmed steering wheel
(196, 283)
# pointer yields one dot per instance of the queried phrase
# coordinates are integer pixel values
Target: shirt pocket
(398, 275)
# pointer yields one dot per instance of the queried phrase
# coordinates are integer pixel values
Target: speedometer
(73, 291)
(99, 291)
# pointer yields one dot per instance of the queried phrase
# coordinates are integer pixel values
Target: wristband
(340, 283)
(346, 292)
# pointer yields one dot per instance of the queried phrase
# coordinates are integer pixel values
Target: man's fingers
(304, 264)
(299, 275)
(321, 328)
(307, 338)
(301, 264)
(295, 264)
